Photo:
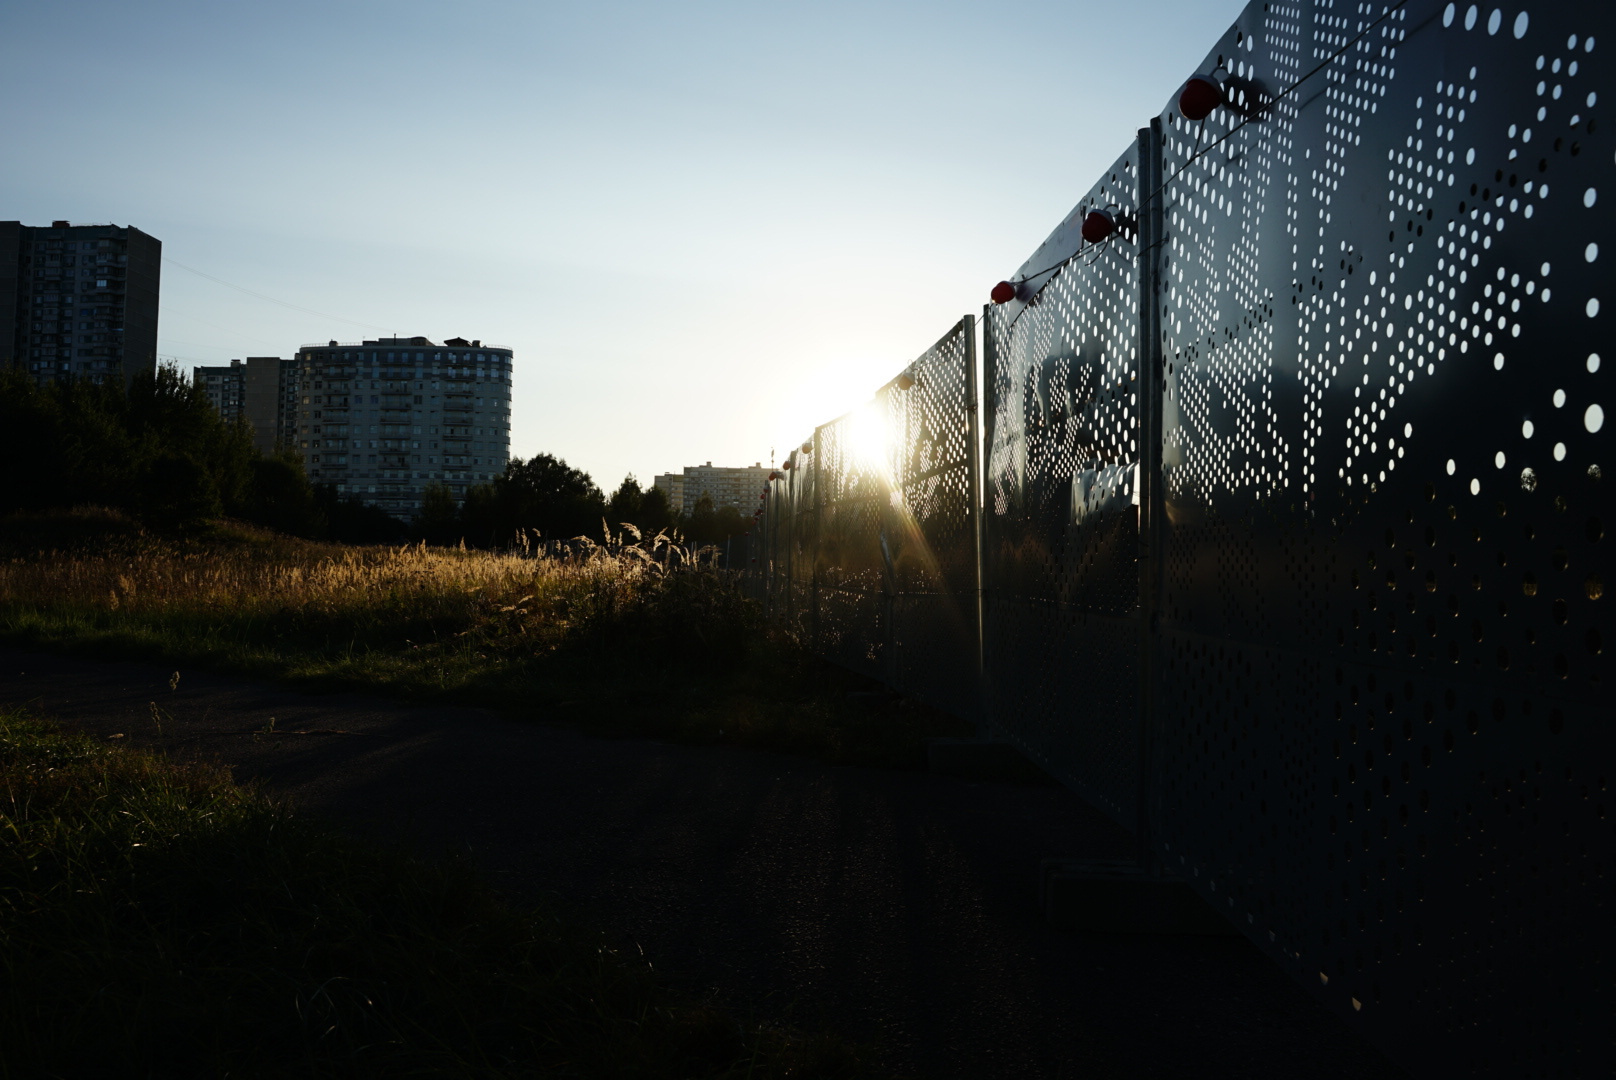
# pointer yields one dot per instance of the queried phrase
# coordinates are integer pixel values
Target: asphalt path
(896, 909)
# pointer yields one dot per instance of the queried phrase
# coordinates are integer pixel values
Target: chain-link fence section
(881, 506)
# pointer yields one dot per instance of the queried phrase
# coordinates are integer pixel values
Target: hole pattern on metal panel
(1061, 560)
(931, 527)
(1384, 682)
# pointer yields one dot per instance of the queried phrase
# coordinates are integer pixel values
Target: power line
(216, 326)
(272, 300)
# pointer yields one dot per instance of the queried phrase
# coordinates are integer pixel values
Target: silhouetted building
(726, 486)
(262, 391)
(226, 387)
(383, 419)
(672, 485)
(78, 300)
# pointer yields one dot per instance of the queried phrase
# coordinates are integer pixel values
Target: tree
(281, 498)
(655, 514)
(169, 415)
(730, 523)
(351, 520)
(625, 503)
(157, 449)
(709, 525)
(547, 494)
(74, 441)
(439, 519)
(177, 493)
(701, 526)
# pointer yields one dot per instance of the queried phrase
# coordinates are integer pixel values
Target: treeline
(161, 453)
(546, 495)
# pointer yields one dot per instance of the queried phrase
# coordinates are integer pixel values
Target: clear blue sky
(703, 227)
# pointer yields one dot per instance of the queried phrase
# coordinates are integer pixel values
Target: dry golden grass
(626, 636)
(429, 617)
(357, 586)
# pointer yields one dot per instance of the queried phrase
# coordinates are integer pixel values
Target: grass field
(627, 637)
(157, 921)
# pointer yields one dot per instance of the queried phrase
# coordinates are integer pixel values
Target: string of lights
(1281, 96)
(1204, 150)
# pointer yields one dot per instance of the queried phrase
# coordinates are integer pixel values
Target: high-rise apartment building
(672, 486)
(270, 403)
(226, 387)
(262, 391)
(79, 300)
(383, 419)
(726, 486)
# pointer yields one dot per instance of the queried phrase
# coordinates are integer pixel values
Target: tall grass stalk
(634, 635)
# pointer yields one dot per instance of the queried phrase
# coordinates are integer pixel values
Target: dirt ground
(897, 909)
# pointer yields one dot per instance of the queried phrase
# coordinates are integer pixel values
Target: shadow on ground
(896, 909)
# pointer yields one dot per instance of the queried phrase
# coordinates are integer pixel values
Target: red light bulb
(1097, 225)
(1200, 96)
(1003, 293)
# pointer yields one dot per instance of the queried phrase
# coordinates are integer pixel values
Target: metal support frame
(1150, 489)
(989, 724)
(973, 445)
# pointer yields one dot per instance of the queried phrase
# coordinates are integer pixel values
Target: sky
(702, 227)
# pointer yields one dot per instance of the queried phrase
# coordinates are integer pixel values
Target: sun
(870, 441)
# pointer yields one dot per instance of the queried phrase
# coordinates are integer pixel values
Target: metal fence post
(789, 532)
(813, 552)
(1151, 222)
(898, 461)
(984, 531)
(973, 470)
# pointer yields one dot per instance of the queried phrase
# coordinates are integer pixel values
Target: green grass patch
(158, 921)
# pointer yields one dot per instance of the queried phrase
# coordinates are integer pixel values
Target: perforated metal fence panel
(1385, 717)
(880, 570)
(851, 580)
(775, 566)
(1061, 525)
(801, 534)
(1295, 518)
(932, 523)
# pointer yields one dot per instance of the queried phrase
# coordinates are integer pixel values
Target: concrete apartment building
(383, 419)
(262, 391)
(726, 486)
(79, 301)
(226, 387)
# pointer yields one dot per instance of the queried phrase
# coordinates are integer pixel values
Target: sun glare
(870, 441)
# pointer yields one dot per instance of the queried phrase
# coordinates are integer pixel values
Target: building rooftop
(409, 342)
